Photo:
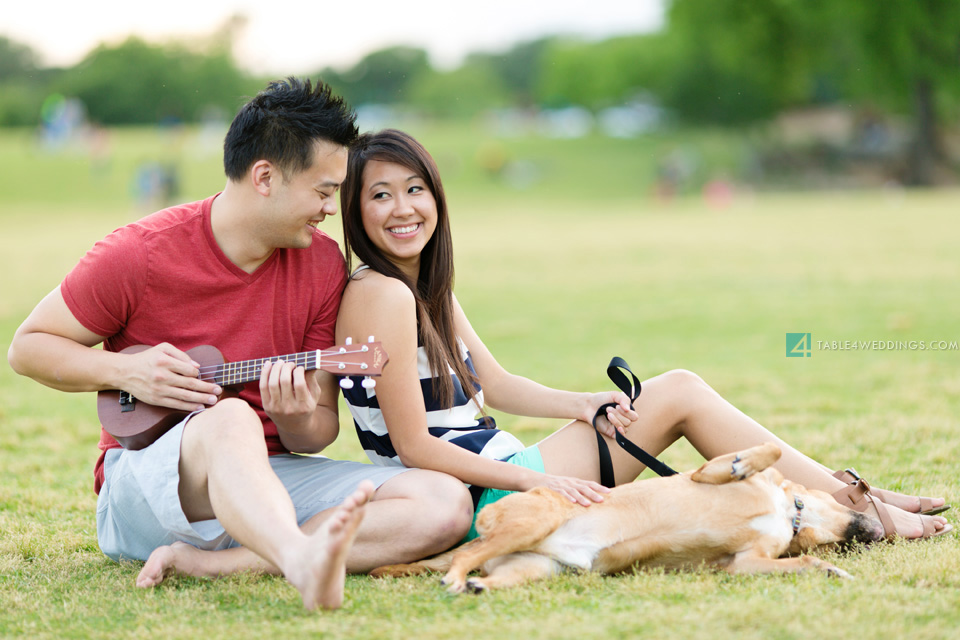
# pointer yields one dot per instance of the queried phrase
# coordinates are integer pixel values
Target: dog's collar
(798, 503)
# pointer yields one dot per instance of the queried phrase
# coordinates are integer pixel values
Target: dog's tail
(438, 563)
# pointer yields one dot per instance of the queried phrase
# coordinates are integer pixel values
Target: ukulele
(135, 424)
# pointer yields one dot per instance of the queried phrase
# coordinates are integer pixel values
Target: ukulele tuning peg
(368, 383)
(348, 341)
(370, 339)
(346, 383)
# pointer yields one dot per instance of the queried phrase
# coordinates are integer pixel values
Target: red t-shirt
(165, 279)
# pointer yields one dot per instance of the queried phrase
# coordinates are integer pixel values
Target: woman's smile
(406, 231)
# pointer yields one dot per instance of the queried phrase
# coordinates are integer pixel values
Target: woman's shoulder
(375, 304)
(374, 291)
(370, 282)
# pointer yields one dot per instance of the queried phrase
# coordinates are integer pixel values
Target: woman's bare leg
(679, 404)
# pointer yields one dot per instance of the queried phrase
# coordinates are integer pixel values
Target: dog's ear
(805, 540)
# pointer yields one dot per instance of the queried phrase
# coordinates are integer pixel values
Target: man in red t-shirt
(247, 271)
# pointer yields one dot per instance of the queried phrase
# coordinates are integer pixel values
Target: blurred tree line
(134, 82)
(717, 62)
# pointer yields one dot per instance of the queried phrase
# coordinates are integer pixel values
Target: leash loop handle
(631, 387)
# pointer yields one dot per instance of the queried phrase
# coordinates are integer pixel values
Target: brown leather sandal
(850, 476)
(857, 497)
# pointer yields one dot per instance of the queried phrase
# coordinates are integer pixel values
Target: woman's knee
(444, 507)
(459, 507)
(683, 381)
(452, 505)
(678, 389)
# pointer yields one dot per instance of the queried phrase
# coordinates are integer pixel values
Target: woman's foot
(896, 522)
(913, 526)
(910, 504)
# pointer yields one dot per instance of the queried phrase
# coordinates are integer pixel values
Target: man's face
(301, 201)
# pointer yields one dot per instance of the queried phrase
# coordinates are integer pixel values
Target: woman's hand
(616, 419)
(583, 492)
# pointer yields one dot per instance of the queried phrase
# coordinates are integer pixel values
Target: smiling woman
(422, 413)
(427, 261)
(400, 213)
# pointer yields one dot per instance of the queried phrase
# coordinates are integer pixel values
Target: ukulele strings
(306, 358)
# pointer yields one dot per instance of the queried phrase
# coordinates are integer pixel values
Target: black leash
(632, 389)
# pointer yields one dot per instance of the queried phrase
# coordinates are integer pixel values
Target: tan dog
(734, 512)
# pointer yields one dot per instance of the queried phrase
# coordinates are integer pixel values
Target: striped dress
(457, 423)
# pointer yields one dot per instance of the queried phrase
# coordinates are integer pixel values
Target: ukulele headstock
(364, 359)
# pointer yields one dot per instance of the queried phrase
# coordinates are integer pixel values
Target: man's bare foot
(320, 572)
(164, 562)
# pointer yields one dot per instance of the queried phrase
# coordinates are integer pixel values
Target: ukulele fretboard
(243, 371)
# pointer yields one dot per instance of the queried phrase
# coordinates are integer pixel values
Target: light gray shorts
(139, 508)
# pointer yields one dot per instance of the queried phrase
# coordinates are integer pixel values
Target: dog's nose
(863, 528)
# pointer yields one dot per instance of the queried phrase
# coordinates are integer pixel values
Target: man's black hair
(282, 123)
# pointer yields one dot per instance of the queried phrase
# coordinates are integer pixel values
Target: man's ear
(262, 174)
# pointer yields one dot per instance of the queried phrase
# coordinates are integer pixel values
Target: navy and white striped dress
(457, 424)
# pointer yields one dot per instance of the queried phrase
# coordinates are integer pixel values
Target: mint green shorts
(529, 458)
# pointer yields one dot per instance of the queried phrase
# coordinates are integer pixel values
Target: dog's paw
(837, 572)
(754, 460)
(391, 571)
(742, 468)
(454, 584)
(476, 585)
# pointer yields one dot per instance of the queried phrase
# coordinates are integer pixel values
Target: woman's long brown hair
(433, 289)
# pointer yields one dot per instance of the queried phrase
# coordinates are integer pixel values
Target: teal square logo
(799, 345)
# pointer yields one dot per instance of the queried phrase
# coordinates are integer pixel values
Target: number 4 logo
(799, 345)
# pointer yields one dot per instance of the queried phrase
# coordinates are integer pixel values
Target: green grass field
(557, 279)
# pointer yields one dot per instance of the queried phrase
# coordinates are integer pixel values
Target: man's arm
(303, 404)
(55, 349)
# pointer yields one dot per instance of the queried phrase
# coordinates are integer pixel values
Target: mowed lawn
(556, 284)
